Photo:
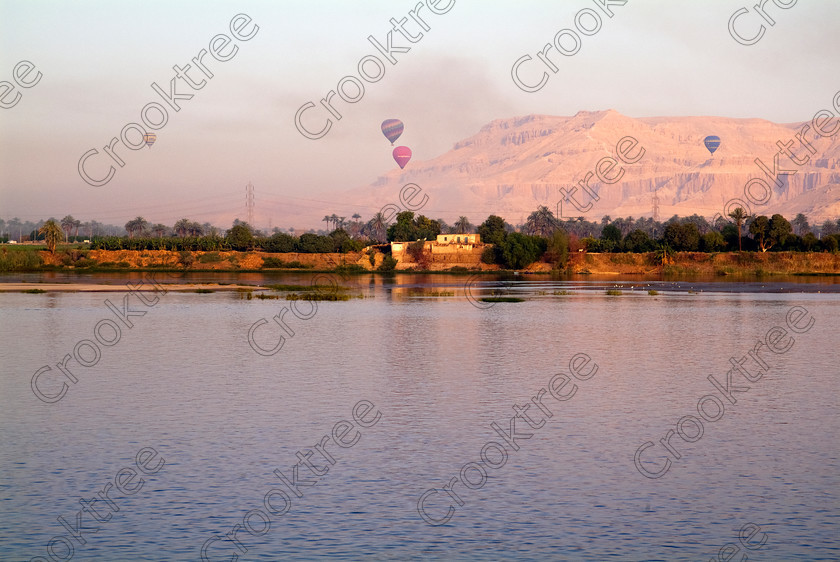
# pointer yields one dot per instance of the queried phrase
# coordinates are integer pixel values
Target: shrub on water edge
(210, 257)
(388, 264)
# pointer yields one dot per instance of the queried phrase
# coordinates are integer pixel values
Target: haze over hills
(513, 165)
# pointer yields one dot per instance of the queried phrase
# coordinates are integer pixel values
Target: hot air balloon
(712, 143)
(392, 129)
(402, 154)
(149, 139)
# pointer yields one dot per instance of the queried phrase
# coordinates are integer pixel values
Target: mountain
(513, 165)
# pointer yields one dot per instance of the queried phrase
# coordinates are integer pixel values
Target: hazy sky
(99, 59)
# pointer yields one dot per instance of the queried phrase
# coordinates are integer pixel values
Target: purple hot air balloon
(402, 154)
(392, 129)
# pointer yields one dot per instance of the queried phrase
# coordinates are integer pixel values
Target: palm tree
(159, 229)
(196, 229)
(327, 219)
(52, 234)
(801, 224)
(378, 226)
(67, 224)
(462, 225)
(76, 224)
(334, 219)
(739, 215)
(182, 227)
(15, 222)
(541, 222)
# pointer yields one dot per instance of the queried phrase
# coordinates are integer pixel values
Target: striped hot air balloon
(392, 129)
(149, 139)
(712, 143)
(402, 154)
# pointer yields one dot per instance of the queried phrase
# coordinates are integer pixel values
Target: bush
(278, 243)
(388, 264)
(273, 262)
(314, 244)
(350, 268)
(186, 258)
(488, 255)
(557, 249)
(415, 250)
(210, 257)
(520, 250)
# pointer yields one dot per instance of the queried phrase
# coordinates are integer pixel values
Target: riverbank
(103, 288)
(34, 259)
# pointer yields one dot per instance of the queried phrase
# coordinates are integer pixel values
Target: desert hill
(513, 165)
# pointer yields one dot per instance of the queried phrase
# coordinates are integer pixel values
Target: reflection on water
(185, 381)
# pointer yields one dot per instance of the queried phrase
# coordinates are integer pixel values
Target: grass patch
(562, 293)
(34, 291)
(210, 257)
(653, 292)
(264, 297)
(613, 292)
(350, 268)
(501, 299)
(318, 297)
(204, 291)
(300, 288)
(20, 259)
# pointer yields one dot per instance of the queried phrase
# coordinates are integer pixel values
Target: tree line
(541, 236)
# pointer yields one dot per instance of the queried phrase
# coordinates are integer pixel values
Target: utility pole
(249, 203)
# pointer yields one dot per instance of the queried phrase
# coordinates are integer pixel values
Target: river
(420, 422)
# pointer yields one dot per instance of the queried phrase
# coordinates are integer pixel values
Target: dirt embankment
(213, 260)
(683, 263)
(697, 263)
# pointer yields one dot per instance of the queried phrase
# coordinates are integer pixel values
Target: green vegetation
(407, 228)
(653, 292)
(301, 288)
(34, 291)
(613, 292)
(210, 257)
(318, 297)
(204, 291)
(19, 259)
(388, 264)
(350, 268)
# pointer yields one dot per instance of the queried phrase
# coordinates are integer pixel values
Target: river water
(190, 435)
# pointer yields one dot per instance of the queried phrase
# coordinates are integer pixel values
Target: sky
(98, 61)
